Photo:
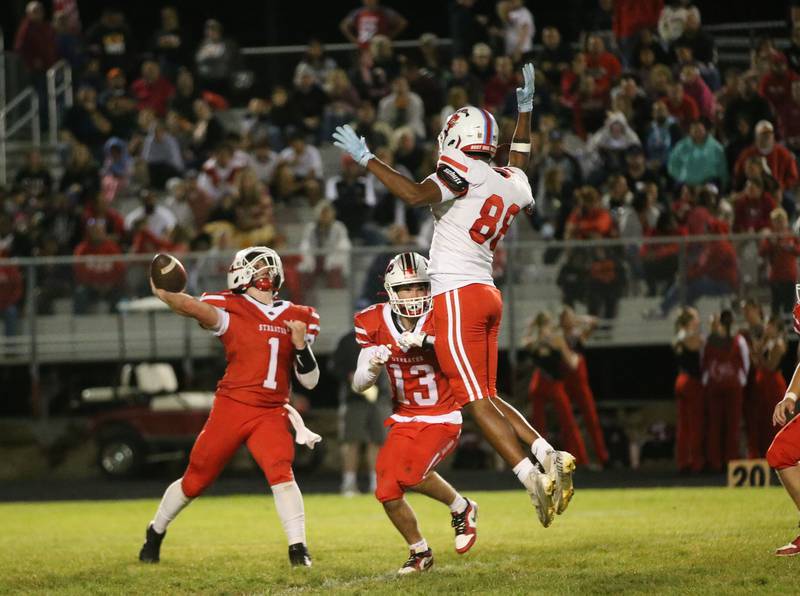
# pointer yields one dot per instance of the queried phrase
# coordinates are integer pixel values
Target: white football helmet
(471, 129)
(404, 269)
(247, 266)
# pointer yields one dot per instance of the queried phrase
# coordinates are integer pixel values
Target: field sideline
(710, 540)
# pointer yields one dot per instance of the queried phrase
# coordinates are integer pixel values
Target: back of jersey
(479, 203)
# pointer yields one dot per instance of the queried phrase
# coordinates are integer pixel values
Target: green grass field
(609, 541)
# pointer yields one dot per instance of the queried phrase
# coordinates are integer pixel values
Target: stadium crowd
(638, 134)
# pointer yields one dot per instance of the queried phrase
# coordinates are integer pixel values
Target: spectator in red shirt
(630, 17)
(99, 211)
(362, 24)
(500, 85)
(752, 207)
(681, 106)
(581, 95)
(36, 40)
(602, 65)
(660, 260)
(151, 90)
(780, 250)
(781, 162)
(589, 219)
(97, 280)
(776, 85)
(695, 87)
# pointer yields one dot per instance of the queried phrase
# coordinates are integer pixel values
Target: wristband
(791, 395)
(304, 360)
(521, 147)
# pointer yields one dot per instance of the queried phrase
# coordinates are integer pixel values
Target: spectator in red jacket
(581, 95)
(789, 120)
(362, 24)
(36, 40)
(776, 85)
(97, 280)
(10, 296)
(780, 250)
(752, 207)
(602, 65)
(151, 90)
(589, 219)
(695, 87)
(781, 162)
(100, 212)
(681, 106)
(500, 85)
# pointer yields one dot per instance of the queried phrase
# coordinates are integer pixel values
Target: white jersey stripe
(467, 365)
(451, 344)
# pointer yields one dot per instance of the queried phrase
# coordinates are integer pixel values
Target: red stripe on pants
(691, 423)
(576, 383)
(544, 389)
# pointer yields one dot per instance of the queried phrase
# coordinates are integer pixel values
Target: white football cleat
(466, 527)
(540, 487)
(417, 563)
(561, 469)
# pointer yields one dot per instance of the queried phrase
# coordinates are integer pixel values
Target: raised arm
(189, 306)
(407, 190)
(521, 141)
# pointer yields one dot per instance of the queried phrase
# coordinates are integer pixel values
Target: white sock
(419, 547)
(458, 505)
(348, 479)
(171, 505)
(541, 449)
(289, 505)
(523, 469)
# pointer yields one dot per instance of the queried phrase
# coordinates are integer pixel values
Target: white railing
(330, 47)
(2, 68)
(29, 117)
(59, 85)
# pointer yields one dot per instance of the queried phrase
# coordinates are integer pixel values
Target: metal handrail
(32, 116)
(2, 68)
(55, 90)
(330, 47)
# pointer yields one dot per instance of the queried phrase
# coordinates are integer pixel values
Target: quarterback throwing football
(473, 204)
(264, 340)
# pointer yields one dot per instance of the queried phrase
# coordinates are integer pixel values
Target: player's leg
(462, 351)
(463, 511)
(784, 455)
(352, 433)
(376, 432)
(213, 448)
(271, 444)
(392, 458)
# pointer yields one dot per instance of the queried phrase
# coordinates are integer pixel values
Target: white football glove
(380, 356)
(526, 92)
(409, 340)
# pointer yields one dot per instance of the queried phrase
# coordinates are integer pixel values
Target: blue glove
(525, 93)
(346, 138)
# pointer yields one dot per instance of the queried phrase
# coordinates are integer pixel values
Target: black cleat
(151, 549)
(298, 555)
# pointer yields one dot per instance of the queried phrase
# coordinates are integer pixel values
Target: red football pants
(410, 452)
(691, 426)
(467, 322)
(785, 449)
(724, 422)
(265, 431)
(543, 390)
(769, 387)
(576, 383)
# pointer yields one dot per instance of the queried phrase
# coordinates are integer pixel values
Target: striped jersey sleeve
(365, 327)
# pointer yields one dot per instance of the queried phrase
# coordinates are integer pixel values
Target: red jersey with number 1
(469, 226)
(258, 346)
(418, 386)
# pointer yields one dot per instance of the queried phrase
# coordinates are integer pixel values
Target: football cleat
(790, 550)
(151, 549)
(562, 467)
(466, 527)
(417, 562)
(540, 487)
(299, 556)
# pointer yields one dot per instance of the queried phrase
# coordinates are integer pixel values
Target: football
(168, 273)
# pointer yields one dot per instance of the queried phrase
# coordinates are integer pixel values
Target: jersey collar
(272, 311)
(392, 326)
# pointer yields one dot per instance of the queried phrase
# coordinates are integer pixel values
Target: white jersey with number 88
(479, 202)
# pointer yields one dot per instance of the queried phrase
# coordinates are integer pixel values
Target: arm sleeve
(365, 376)
(305, 367)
